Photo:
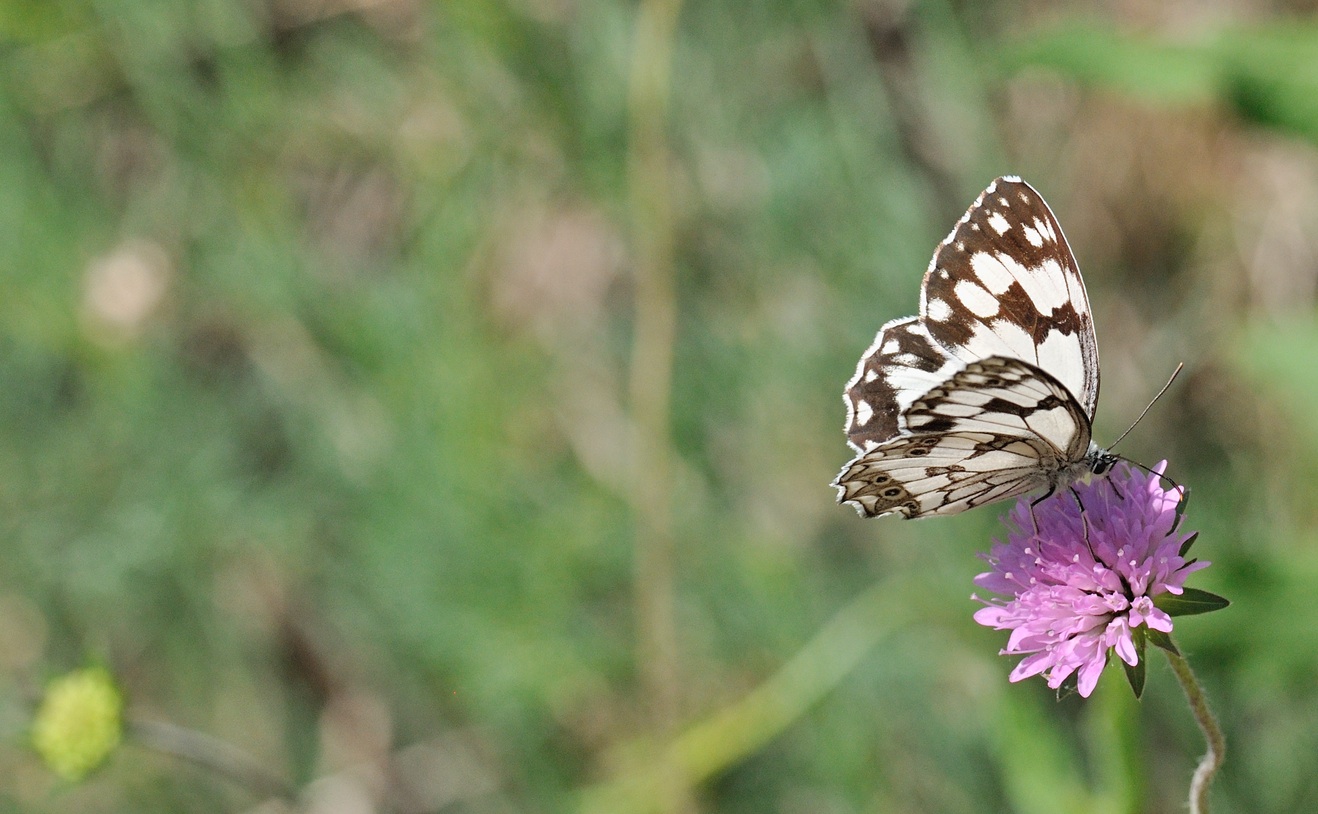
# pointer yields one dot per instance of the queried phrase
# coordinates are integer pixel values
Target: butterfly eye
(892, 491)
(1102, 464)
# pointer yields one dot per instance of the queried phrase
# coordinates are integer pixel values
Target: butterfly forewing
(989, 393)
(1004, 283)
(924, 476)
(903, 363)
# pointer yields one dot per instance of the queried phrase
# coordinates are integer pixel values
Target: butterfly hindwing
(996, 429)
(946, 474)
(1010, 397)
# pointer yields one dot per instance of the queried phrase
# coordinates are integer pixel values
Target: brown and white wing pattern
(990, 392)
(903, 364)
(1004, 283)
(998, 428)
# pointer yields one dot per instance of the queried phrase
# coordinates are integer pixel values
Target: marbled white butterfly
(990, 392)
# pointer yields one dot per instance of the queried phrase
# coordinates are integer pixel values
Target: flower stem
(1212, 760)
(650, 170)
(213, 754)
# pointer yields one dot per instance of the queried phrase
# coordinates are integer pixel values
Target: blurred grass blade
(722, 739)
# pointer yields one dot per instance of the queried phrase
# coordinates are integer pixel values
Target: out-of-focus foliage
(318, 425)
(1265, 74)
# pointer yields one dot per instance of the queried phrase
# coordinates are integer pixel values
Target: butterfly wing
(990, 392)
(1004, 283)
(996, 429)
(903, 364)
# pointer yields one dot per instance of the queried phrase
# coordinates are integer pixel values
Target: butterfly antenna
(1176, 487)
(1145, 412)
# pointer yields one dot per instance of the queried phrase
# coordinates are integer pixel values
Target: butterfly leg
(1115, 489)
(1078, 502)
(1084, 521)
(1051, 489)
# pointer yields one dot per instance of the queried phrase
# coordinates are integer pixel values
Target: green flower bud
(79, 723)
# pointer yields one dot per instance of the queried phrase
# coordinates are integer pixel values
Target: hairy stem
(1212, 760)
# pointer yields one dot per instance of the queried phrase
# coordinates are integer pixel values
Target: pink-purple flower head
(1081, 570)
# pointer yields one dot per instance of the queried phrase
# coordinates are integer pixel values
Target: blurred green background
(437, 401)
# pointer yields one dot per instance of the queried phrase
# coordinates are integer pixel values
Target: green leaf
(1180, 515)
(1189, 603)
(1185, 547)
(1164, 641)
(1135, 673)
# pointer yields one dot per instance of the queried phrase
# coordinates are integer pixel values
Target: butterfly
(990, 392)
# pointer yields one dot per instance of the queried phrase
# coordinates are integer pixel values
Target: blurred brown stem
(890, 29)
(651, 373)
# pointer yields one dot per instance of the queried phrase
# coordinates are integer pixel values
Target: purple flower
(1081, 581)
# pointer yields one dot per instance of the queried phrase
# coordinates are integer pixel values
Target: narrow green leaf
(1185, 547)
(1135, 673)
(1164, 641)
(1189, 603)
(1180, 515)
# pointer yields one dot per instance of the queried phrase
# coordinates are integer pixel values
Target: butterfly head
(1099, 460)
